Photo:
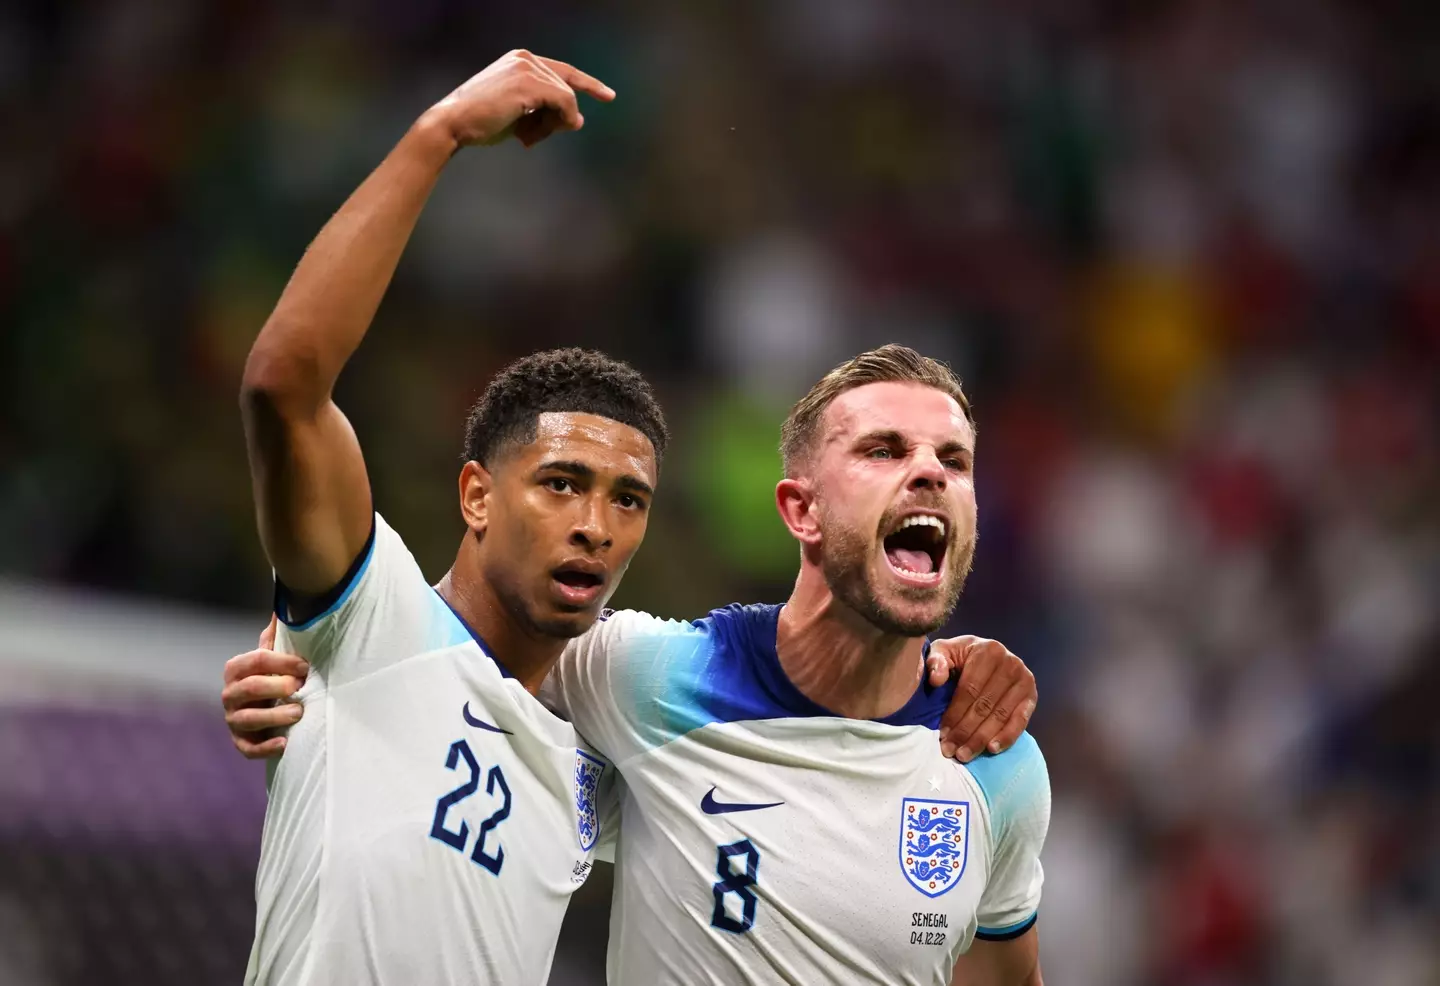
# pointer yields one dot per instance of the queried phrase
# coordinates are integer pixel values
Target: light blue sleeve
(1016, 785)
(627, 684)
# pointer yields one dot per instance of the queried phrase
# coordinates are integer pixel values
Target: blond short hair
(888, 364)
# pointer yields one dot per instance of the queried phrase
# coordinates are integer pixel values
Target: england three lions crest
(587, 784)
(934, 843)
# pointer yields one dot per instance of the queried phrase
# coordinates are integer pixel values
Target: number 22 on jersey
(456, 839)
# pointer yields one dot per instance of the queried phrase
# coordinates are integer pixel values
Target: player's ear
(796, 502)
(475, 486)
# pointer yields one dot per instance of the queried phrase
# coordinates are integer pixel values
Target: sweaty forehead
(600, 442)
(914, 410)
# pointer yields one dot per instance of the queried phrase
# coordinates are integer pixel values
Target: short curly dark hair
(577, 380)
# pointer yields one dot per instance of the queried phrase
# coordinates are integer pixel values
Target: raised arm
(312, 493)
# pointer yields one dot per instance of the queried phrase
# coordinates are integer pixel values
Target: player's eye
(630, 501)
(559, 484)
(880, 453)
(959, 465)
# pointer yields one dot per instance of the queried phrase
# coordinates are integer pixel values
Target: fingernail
(964, 755)
(294, 712)
(609, 92)
(947, 749)
(304, 667)
(995, 746)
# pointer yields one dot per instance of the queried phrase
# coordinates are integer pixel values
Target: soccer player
(787, 814)
(427, 793)
(432, 817)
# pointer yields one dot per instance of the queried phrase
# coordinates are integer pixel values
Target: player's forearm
(333, 295)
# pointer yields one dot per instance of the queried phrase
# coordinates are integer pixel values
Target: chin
(890, 612)
(913, 611)
(564, 625)
(891, 605)
(909, 621)
(916, 611)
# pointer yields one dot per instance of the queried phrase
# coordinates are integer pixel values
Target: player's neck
(520, 650)
(838, 659)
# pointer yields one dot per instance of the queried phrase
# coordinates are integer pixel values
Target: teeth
(923, 519)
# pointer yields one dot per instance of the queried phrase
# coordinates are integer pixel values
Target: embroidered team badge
(934, 843)
(587, 783)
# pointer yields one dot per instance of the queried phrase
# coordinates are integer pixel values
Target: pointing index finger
(578, 80)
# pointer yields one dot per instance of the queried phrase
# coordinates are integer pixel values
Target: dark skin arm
(994, 702)
(312, 492)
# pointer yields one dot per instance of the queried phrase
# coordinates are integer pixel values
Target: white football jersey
(430, 818)
(767, 840)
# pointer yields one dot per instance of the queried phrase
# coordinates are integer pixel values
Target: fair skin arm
(312, 493)
(1000, 963)
(257, 683)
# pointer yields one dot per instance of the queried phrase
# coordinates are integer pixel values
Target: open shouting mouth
(915, 548)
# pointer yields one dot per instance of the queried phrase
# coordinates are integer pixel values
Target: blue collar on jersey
(484, 647)
(758, 682)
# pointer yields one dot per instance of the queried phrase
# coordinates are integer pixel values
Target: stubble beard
(844, 563)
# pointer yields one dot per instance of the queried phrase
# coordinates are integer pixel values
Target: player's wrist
(434, 136)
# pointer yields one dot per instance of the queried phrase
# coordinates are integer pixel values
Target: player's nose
(591, 529)
(926, 471)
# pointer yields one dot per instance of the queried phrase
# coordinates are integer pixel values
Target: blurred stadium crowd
(1186, 255)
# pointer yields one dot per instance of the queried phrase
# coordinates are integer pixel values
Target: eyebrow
(889, 436)
(886, 437)
(581, 471)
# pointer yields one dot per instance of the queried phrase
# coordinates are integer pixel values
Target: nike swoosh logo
(481, 723)
(710, 806)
